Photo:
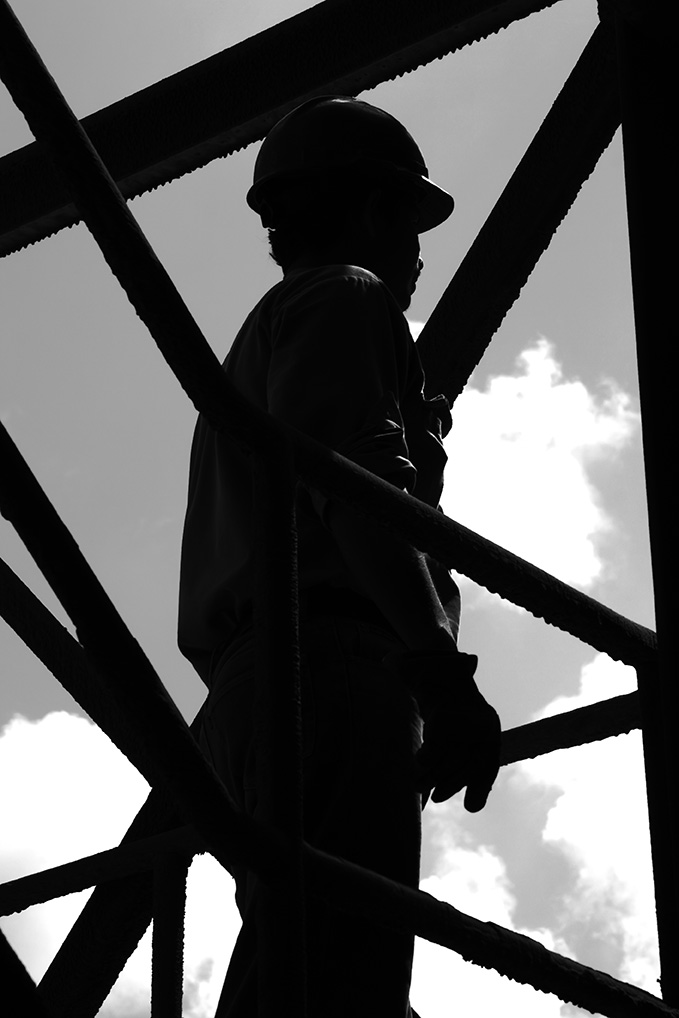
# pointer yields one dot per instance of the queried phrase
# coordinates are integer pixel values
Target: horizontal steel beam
(122, 861)
(231, 99)
(615, 716)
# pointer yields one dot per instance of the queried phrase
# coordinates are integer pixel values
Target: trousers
(360, 731)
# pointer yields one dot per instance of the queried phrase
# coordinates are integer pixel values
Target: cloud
(600, 821)
(526, 444)
(72, 793)
(473, 879)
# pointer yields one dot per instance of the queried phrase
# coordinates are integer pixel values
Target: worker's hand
(461, 730)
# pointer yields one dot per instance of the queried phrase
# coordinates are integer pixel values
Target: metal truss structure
(155, 136)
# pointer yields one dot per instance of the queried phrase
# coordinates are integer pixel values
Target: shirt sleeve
(339, 364)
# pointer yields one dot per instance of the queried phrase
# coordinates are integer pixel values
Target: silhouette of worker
(344, 192)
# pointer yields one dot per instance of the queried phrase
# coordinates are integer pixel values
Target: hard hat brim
(435, 204)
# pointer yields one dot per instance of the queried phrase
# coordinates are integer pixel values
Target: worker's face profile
(401, 261)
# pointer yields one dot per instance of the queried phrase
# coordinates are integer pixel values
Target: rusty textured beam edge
(561, 156)
(183, 122)
(618, 715)
(511, 954)
(378, 899)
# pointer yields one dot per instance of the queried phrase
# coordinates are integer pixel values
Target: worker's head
(340, 180)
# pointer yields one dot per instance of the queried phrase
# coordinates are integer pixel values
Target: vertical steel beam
(167, 966)
(280, 933)
(646, 68)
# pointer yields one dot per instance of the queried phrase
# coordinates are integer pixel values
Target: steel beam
(649, 111)
(19, 993)
(167, 959)
(563, 153)
(229, 100)
(138, 856)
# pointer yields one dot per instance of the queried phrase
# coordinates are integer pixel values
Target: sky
(544, 458)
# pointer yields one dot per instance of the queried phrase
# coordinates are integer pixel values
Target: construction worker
(344, 192)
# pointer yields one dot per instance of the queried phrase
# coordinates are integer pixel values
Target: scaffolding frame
(188, 810)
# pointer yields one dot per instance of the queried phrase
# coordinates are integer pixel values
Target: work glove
(461, 744)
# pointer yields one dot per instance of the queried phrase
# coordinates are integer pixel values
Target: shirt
(329, 351)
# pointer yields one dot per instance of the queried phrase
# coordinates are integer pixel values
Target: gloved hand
(461, 730)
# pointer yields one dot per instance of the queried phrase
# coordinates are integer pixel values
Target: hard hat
(334, 133)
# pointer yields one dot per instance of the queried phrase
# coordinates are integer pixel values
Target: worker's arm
(461, 731)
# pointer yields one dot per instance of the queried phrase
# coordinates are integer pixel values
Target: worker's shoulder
(343, 284)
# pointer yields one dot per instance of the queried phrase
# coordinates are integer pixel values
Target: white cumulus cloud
(519, 454)
(474, 880)
(600, 822)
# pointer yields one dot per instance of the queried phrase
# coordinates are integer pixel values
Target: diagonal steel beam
(231, 99)
(19, 993)
(66, 659)
(563, 153)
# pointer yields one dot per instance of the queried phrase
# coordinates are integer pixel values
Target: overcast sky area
(544, 458)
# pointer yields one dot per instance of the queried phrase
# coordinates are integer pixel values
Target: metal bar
(65, 658)
(481, 560)
(616, 716)
(118, 660)
(648, 100)
(281, 956)
(375, 897)
(167, 966)
(109, 927)
(124, 860)
(19, 992)
(563, 153)
(205, 111)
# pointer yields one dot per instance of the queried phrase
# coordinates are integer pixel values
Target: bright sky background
(544, 458)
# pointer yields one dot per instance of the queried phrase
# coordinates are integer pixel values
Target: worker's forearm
(395, 575)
